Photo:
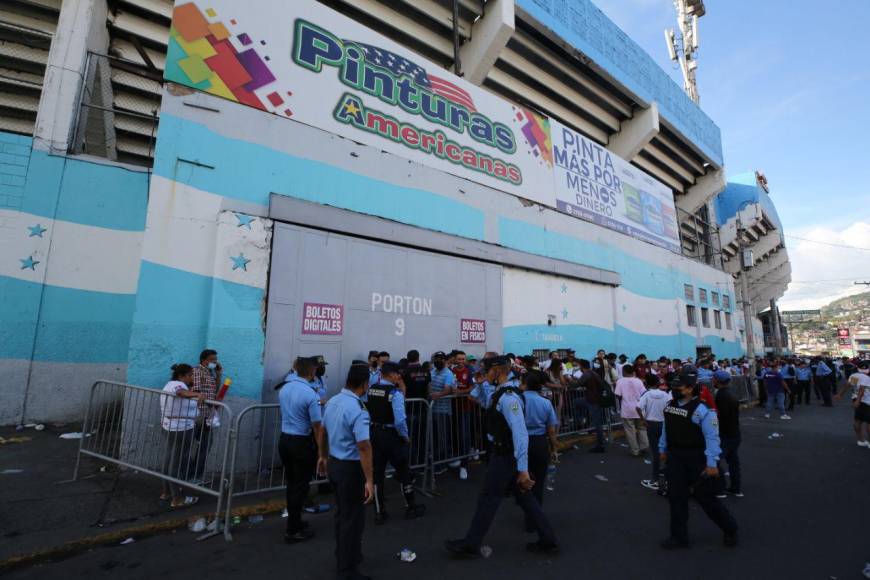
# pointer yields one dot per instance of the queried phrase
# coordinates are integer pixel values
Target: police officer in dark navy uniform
(345, 439)
(508, 467)
(689, 448)
(390, 440)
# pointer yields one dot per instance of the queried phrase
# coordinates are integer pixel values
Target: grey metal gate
(341, 296)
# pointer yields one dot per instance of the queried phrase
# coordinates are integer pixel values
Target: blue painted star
(564, 288)
(28, 263)
(244, 220)
(240, 261)
(564, 314)
(36, 231)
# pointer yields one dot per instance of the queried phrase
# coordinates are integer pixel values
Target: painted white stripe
(82, 257)
(183, 233)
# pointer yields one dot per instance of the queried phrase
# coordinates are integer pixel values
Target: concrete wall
(71, 233)
(218, 158)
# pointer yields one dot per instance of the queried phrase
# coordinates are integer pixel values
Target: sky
(788, 83)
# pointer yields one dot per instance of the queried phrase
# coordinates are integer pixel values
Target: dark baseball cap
(439, 354)
(319, 360)
(688, 377)
(495, 361)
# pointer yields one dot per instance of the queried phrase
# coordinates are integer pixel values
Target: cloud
(822, 272)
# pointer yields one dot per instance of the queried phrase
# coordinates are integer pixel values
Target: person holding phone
(689, 447)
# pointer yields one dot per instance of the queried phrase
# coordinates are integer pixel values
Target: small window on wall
(714, 297)
(726, 302)
(728, 319)
(689, 290)
(690, 315)
(717, 319)
(702, 296)
(705, 317)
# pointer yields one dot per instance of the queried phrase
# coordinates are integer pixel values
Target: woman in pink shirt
(629, 389)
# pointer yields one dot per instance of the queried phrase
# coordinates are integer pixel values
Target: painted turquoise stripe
(87, 193)
(74, 325)
(586, 340)
(179, 313)
(638, 276)
(250, 172)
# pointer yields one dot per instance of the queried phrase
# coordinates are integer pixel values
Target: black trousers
(349, 482)
(792, 393)
(802, 392)
(501, 476)
(389, 447)
(539, 460)
(299, 456)
(825, 385)
(683, 471)
(729, 456)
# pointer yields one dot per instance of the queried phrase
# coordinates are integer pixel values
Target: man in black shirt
(729, 432)
(593, 385)
(416, 378)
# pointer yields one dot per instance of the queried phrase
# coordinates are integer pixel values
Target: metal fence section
(118, 112)
(169, 437)
(457, 430)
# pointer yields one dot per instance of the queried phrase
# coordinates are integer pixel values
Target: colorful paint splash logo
(204, 53)
(536, 130)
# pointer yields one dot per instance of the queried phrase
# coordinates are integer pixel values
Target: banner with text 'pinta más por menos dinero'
(304, 61)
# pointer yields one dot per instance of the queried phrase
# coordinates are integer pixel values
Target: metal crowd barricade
(255, 464)
(158, 434)
(456, 432)
(741, 388)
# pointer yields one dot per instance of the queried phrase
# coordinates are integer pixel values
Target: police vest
(497, 426)
(681, 432)
(380, 404)
(417, 382)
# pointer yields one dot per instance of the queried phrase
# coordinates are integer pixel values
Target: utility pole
(744, 291)
(684, 48)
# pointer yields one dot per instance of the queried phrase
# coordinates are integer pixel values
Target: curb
(74, 547)
(114, 538)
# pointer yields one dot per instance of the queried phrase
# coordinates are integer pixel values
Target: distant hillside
(847, 307)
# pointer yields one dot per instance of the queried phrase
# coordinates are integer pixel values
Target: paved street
(804, 516)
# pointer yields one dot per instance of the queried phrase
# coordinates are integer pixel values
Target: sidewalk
(42, 508)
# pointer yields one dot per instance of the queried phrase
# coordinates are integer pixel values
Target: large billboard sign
(307, 62)
(595, 185)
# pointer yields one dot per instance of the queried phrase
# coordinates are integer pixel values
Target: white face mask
(212, 366)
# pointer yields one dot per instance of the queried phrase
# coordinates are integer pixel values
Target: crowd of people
(679, 414)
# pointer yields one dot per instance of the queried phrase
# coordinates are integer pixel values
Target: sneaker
(734, 492)
(722, 495)
(674, 544)
(863, 443)
(767, 415)
(461, 549)
(542, 548)
(785, 417)
(455, 464)
(299, 536)
(730, 540)
(463, 473)
(650, 484)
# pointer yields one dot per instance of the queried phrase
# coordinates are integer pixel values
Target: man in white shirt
(651, 408)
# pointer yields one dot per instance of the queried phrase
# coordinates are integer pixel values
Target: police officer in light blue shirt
(689, 445)
(300, 435)
(346, 428)
(508, 467)
(541, 424)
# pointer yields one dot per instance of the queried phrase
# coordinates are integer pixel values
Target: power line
(827, 243)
